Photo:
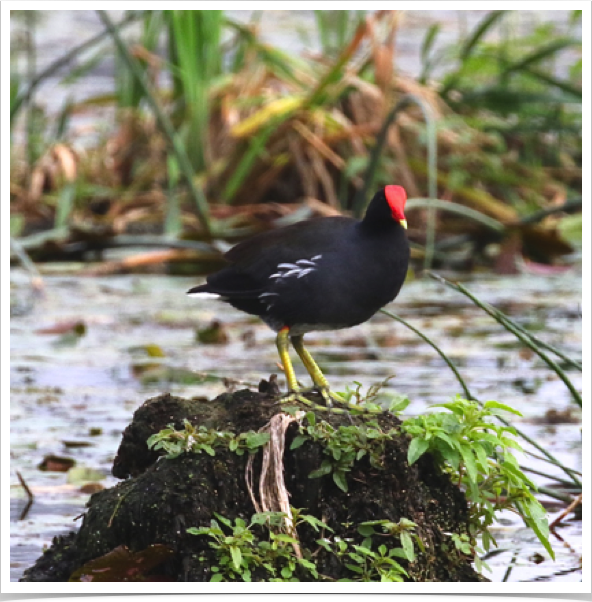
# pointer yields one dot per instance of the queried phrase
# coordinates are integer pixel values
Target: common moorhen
(318, 274)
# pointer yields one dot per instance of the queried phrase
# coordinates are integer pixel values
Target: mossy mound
(161, 498)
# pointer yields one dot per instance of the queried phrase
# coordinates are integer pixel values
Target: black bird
(319, 274)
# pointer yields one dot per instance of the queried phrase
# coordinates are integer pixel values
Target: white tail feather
(205, 295)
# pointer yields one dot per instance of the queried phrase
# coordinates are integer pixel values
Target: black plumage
(319, 274)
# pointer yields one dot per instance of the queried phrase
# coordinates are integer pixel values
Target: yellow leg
(320, 382)
(318, 378)
(283, 349)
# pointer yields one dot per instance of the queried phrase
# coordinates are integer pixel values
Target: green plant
(241, 553)
(128, 90)
(343, 446)
(513, 78)
(404, 530)
(260, 551)
(375, 398)
(195, 57)
(369, 565)
(336, 28)
(201, 439)
(478, 455)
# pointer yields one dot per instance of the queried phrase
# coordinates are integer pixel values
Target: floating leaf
(53, 463)
(82, 474)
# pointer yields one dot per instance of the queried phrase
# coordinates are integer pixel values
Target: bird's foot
(300, 396)
(329, 396)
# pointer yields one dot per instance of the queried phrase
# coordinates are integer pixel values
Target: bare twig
(574, 504)
(30, 496)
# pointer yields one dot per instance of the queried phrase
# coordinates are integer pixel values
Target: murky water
(67, 389)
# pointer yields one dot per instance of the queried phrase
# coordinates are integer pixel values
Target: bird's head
(387, 206)
(396, 198)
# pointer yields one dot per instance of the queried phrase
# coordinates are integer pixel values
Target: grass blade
(542, 53)
(202, 208)
(517, 331)
(479, 32)
(75, 53)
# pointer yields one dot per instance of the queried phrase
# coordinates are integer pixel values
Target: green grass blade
(202, 208)
(518, 332)
(75, 53)
(437, 349)
(255, 149)
(459, 209)
(540, 54)
(480, 31)
(65, 205)
(426, 48)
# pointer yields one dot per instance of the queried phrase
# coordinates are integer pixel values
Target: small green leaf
(408, 548)
(444, 437)
(417, 448)
(501, 406)
(366, 530)
(198, 531)
(469, 460)
(283, 537)
(222, 519)
(367, 543)
(298, 441)
(324, 543)
(255, 440)
(482, 457)
(399, 405)
(237, 557)
(208, 449)
(340, 480)
(324, 469)
(216, 577)
(314, 522)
